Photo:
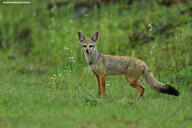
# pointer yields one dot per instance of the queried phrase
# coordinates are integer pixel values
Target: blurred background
(44, 33)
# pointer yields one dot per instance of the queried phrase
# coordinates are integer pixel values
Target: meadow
(45, 81)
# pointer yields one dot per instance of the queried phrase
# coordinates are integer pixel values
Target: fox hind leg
(135, 84)
(139, 88)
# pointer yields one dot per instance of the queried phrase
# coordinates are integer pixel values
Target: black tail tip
(169, 90)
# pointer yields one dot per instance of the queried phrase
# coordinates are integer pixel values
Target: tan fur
(131, 68)
(102, 65)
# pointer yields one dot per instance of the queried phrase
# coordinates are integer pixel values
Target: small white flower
(150, 27)
(71, 58)
(66, 48)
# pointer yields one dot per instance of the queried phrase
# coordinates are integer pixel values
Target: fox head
(88, 45)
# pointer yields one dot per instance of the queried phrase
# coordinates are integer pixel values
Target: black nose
(87, 51)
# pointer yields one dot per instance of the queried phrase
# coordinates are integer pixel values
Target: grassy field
(45, 81)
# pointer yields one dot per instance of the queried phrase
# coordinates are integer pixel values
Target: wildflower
(71, 58)
(150, 27)
(66, 48)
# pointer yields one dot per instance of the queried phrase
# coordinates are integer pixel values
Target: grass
(45, 81)
(70, 100)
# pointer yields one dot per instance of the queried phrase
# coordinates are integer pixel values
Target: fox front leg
(98, 85)
(103, 85)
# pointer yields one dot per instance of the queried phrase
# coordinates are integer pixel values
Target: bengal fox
(132, 68)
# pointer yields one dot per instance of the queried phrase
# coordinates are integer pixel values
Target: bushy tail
(155, 84)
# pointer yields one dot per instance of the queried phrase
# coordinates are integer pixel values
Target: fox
(103, 65)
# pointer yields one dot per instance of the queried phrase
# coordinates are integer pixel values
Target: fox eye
(84, 46)
(90, 46)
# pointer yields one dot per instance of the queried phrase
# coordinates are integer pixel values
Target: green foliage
(45, 81)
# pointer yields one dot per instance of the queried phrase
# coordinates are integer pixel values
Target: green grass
(70, 100)
(41, 86)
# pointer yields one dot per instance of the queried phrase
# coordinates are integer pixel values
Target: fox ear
(95, 37)
(80, 36)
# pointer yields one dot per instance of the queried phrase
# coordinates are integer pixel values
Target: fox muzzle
(87, 51)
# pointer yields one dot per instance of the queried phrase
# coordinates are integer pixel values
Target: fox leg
(138, 87)
(103, 85)
(98, 85)
(135, 85)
